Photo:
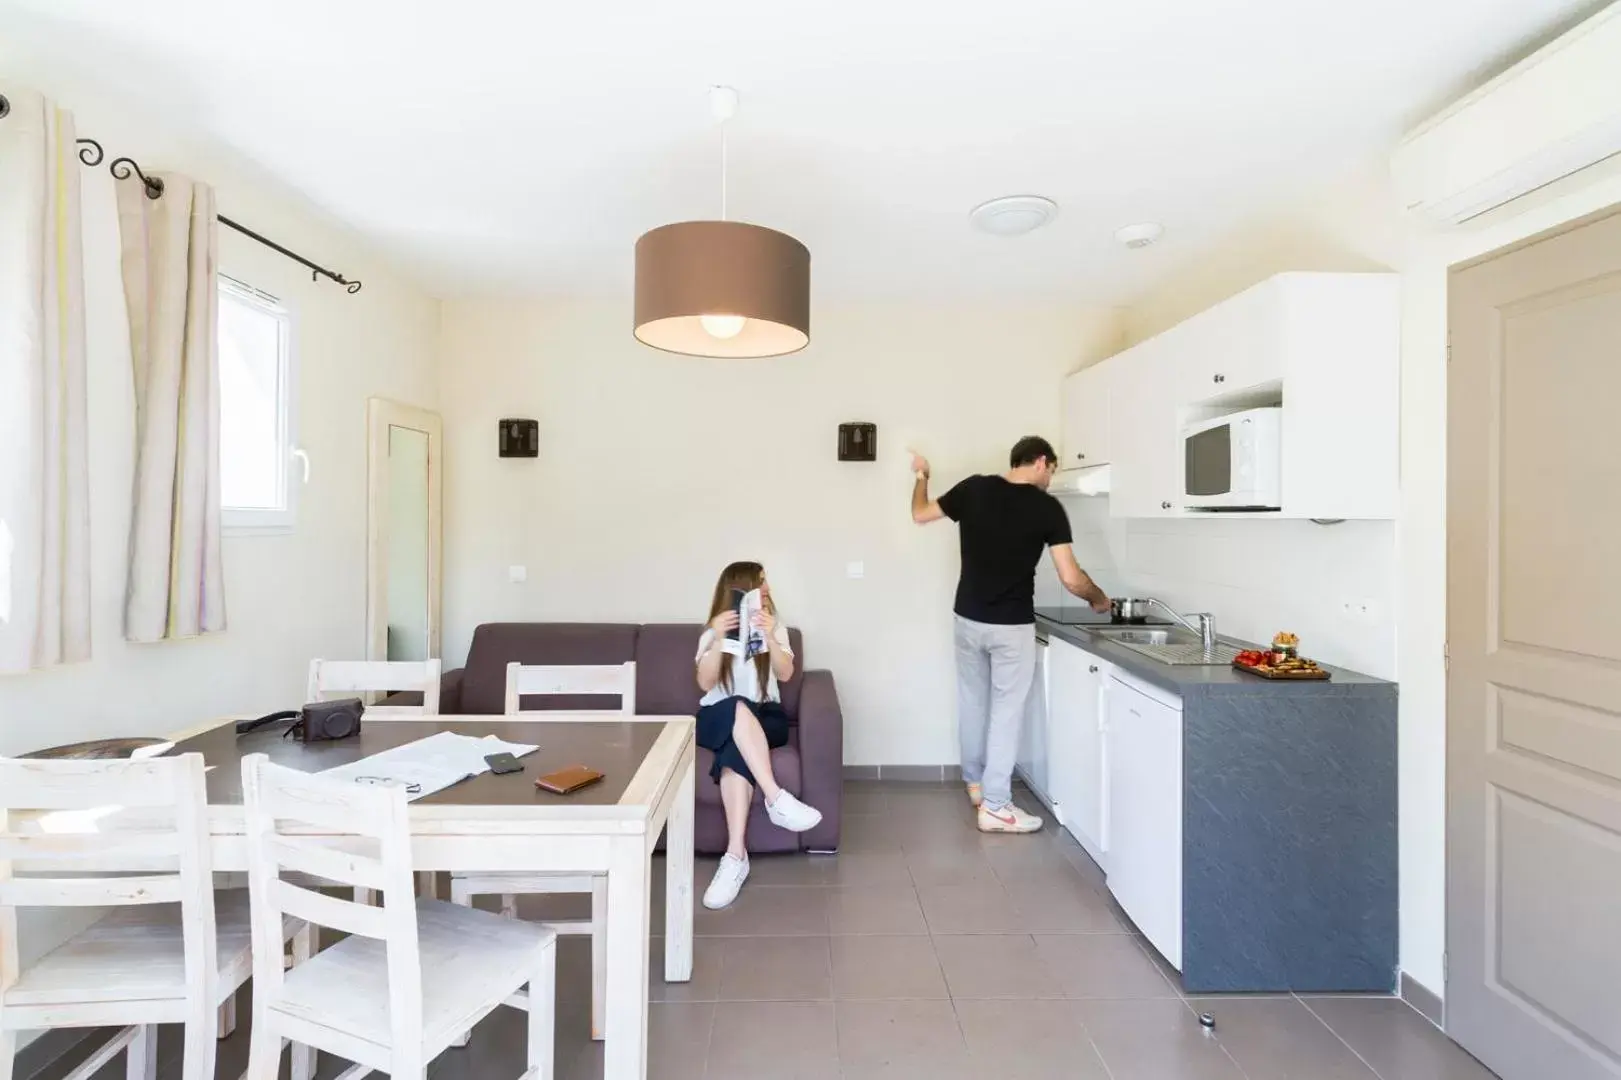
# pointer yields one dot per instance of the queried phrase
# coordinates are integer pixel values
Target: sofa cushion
(784, 764)
(666, 684)
(495, 645)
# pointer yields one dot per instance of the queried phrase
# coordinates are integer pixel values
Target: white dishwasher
(1031, 763)
(1145, 809)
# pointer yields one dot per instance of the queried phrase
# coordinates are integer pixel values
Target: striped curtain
(176, 585)
(44, 464)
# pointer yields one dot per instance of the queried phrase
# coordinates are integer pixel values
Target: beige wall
(289, 597)
(1357, 225)
(656, 470)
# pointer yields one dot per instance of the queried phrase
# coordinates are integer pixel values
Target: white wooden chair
(411, 975)
(345, 678)
(525, 680)
(143, 826)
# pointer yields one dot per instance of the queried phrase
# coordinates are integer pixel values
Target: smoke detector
(1013, 215)
(1140, 235)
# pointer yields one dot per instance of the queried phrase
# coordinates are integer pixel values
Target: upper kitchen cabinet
(1324, 347)
(1086, 417)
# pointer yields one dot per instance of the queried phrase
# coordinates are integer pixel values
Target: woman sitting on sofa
(741, 720)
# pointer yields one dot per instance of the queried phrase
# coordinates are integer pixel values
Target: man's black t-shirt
(1003, 527)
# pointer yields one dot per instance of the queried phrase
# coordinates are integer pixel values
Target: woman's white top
(745, 679)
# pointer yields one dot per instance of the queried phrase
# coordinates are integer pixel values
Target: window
(256, 397)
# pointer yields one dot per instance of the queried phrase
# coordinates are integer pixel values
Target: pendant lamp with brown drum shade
(722, 288)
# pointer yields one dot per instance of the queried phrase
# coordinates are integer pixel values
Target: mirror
(404, 532)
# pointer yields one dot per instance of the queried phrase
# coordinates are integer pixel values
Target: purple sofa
(811, 765)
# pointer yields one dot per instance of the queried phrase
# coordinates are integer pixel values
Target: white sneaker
(791, 814)
(1009, 819)
(725, 885)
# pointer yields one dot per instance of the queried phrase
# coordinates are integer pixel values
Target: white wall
(1333, 585)
(1357, 226)
(288, 597)
(656, 470)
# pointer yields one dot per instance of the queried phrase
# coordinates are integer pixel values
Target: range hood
(1092, 480)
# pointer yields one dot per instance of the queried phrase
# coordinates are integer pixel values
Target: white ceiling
(512, 146)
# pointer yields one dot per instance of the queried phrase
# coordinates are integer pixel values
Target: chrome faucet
(1202, 623)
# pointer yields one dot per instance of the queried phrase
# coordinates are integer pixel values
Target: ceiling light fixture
(722, 288)
(1013, 215)
(1140, 235)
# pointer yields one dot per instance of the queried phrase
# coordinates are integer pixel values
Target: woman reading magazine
(741, 718)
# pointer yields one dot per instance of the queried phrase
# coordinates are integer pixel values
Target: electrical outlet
(517, 574)
(1363, 611)
(855, 570)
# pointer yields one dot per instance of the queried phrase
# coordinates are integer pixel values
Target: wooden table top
(614, 748)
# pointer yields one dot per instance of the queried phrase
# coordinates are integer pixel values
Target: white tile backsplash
(1258, 576)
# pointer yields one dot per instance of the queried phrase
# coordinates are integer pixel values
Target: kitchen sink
(1168, 646)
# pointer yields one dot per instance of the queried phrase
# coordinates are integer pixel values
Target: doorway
(1534, 640)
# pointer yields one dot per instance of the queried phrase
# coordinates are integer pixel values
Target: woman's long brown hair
(746, 576)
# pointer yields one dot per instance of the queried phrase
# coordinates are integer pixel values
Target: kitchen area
(1238, 474)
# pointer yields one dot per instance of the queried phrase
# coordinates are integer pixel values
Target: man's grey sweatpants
(996, 666)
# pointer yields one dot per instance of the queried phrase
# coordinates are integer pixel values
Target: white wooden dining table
(500, 823)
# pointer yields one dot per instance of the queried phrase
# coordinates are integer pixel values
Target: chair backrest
(548, 680)
(345, 678)
(345, 833)
(143, 824)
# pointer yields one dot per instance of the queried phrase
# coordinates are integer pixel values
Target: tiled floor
(926, 950)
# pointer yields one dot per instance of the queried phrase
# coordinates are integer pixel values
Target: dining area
(243, 862)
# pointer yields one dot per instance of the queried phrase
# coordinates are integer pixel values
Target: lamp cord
(723, 170)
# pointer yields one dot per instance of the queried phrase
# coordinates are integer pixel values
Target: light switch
(517, 574)
(855, 570)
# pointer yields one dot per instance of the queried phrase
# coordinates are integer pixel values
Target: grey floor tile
(868, 868)
(977, 907)
(773, 1040)
(767, 912)
(995, 966)
(945, 866)
(1071, 907)
(1102, 966)
(794, 868)
(707, 954)
(776, 969)
(900, 1040)
(1032, 1040)
(891, 909)
(869, 833)
(886, 967)
(1398, 1042)
(1280, 1039)
(1155, 1040)
(863, 799)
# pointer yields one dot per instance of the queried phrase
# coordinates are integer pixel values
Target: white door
(1146, 451)
(1032, 759)
(1534, 687)
(1086, 417)
(1075, 767)
(1145, 814)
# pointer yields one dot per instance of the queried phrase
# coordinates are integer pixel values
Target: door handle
(1164, 506)
(1093, 669)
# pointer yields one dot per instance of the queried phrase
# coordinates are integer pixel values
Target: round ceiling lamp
(722, 288)
(1013, 215)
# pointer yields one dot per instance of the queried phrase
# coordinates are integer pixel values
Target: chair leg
(509, 906)
(141, 1062)
(599, 957)
(303, 1056)
(428, 884)
(264, 1051)
(8, 1052)
(460, 895)
(199, 1054)
(227, 1018)
(365, 896)
(543, 1014)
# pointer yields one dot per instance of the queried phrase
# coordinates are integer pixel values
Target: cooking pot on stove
(1129, 610)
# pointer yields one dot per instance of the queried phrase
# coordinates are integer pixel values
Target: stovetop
(1087, 617)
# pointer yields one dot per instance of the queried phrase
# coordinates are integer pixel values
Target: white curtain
(176, 585)
(44, 465)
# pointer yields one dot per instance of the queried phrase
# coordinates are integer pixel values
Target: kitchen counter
(1289, 866)
(1188, 679)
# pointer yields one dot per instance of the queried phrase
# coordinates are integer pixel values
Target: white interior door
(1534, 689)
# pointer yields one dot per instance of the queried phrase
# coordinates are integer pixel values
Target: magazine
(746, 641)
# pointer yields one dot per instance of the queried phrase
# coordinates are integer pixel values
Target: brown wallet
(567, 780)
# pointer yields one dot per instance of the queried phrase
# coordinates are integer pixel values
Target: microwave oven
(1234, 462)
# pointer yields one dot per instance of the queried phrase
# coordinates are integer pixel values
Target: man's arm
(1076, 580)
(924, 509)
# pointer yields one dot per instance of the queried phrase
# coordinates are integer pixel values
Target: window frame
(257, 521)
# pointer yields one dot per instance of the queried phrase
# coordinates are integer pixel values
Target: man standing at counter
(1003, 523)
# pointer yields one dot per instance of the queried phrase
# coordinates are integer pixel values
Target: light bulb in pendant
(721, 326)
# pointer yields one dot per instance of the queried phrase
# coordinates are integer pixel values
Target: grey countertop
(1201, 680)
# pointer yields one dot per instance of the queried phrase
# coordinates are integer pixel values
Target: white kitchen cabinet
(1146, 470)
(1145, 810)
(1232, 347)
(1034, 755)
(1077, 754)
(1086, 417)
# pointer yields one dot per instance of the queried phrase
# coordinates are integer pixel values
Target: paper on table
(428, 765)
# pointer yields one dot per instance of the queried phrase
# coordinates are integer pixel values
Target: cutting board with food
(1281, 661)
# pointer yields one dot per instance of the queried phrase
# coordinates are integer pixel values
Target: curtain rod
(122, 168)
